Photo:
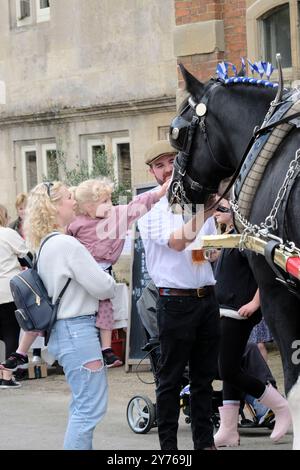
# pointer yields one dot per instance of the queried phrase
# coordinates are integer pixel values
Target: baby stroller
(141, 411)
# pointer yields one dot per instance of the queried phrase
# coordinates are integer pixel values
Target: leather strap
(200, 292)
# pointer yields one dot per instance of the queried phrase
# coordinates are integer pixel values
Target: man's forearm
(182, 237)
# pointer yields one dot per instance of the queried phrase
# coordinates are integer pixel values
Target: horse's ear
(192, 84)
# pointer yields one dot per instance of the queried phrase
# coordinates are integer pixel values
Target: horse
(213, 128)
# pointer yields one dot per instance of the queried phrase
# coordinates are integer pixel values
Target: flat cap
(157, 150)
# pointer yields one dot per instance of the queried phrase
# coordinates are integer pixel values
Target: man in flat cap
(187, 310)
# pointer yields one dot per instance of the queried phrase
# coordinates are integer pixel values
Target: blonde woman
(101, 228)
(74, 338)
(12, 247)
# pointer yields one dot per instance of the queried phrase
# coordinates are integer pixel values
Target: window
(277, 35)
(273, 26)
(35, 163)
(122, 162)
(29, 12)
(163, 133)
(23, 12)
(50, 162)
(42, 10)
(24, 9)
(29, 167)
(94, 147)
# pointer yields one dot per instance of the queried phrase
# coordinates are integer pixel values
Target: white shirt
(168, 267)
(12, 246)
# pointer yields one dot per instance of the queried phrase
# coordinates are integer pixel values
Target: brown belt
(200, 292)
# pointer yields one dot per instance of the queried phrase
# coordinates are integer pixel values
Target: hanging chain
(270, 222)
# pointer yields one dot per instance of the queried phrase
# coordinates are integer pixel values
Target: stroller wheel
(140, 414)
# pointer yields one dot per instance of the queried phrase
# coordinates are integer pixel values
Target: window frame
(90, 144)
(24, 150)
(44, 149)
(115, 142)
(42, 14)
(27, 20)
(254, 26)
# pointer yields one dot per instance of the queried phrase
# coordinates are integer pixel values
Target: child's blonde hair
(92, 191)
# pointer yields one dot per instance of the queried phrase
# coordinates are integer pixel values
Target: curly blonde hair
(92, 191)
(41, 212)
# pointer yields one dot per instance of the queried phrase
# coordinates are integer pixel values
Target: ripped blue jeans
(74, 342)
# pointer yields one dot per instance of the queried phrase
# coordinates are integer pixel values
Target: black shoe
(10, 384)
(110, 359)
(15, 361)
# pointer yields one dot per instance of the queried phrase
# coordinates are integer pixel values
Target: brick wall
(232, 12)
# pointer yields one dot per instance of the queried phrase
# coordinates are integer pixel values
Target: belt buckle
(200, 292)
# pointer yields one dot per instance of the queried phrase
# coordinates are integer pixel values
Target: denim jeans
(74, 342)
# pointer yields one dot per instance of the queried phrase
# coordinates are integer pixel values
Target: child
(101, 228)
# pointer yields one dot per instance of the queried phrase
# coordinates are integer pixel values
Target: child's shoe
(15, 361)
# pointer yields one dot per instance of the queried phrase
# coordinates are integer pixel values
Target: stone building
(82, 75)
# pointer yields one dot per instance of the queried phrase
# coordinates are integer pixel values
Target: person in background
(238, 297)
(188, 313)
(12, 247)
(261, 335)
(20, 205)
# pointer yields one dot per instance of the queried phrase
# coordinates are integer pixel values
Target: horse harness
(258, 153)
(261, 152)
(181, 138)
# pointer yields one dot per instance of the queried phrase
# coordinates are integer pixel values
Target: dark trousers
(188, 333)
(234, 338)
(9, 328)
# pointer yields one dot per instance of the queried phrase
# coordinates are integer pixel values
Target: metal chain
(270, 222)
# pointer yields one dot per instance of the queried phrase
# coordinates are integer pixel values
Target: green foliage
(102, 167)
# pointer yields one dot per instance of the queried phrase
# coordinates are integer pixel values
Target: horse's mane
(249, 81)
(256, 82)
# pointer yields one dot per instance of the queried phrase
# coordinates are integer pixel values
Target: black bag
(36, 312)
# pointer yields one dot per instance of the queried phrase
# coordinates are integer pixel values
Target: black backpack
(35, 310)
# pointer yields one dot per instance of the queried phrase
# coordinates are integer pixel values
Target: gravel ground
(37, 413)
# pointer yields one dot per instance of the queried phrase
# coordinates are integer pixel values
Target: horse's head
(211, 132)
(197, 172)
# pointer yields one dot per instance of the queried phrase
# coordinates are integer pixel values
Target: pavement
(35, 416)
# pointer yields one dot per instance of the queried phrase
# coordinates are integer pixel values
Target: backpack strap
(36, 257)
(55, 310)
(55, 307)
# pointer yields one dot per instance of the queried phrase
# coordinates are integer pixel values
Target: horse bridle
(181, 138)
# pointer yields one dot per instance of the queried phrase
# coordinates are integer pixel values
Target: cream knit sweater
(64, 257)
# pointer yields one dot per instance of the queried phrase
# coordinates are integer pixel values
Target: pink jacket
(105, 238)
